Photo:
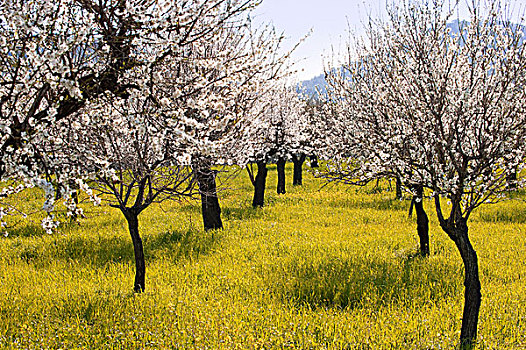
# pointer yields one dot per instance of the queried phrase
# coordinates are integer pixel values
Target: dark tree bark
(75, 197)
(457, 229)
(472, 292)
(140, 266)
(314, 161)
(297, 179)
(281, 175)
(512, 180)
(398, 188)
(422, 221)
(260, 184)
(206, 180)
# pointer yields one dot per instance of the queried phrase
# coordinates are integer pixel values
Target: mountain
(317, 84)
(312, 86)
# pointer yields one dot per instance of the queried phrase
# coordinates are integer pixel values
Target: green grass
(315, 269)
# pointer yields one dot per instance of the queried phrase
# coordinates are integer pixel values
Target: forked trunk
(281, 175)
(298, 161)
(422, 221)
(140, 267)
(259, 185)
(211, 211)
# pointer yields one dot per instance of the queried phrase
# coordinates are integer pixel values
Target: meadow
(332, 267)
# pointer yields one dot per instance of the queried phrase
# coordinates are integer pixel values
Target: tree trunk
(398, 188)
(140, 266)
(314, 161)
(297, 179)
(206, 179)
(422, 221)
(512, 180)
(472, 292)
(75, 197)
(281, 175)
(411, 206)
(259, 185)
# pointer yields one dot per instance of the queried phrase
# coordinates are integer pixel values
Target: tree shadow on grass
(370, 282)
(241, 213)
(373, 203)
(89, 307)
(92, 222)
(25, 230)
(101, 250)
(503, 215)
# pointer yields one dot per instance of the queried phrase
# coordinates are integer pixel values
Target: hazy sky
(329, 21)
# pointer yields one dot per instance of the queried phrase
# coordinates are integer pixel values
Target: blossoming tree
(55, 57)
(441, 109)
(157, 85)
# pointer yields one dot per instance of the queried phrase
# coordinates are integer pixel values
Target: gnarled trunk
(472, 292)
(422, 221)
(297, 179)
(206, 180)
(140, 266)
(281, 175)
(259, 185)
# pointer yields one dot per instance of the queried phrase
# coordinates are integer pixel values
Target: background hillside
(318, 83)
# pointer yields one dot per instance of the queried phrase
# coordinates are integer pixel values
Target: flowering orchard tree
(275, 129)
(441, 109)
(290, 133)
(40, 58)
(314, 108)
(245, 144)
(132, 135)
(304, 135)
(57, 56)
(126, 152)
(163, 137)
(252, 141)
(344, 143)
(226, 77)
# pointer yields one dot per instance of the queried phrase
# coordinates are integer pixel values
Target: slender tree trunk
(398, 188)
(422, 221)
(206, 179)
(472, 292)
(75, 197)
(2, 165)
(140, 266)
(298, 161)
(281, 175)
(260, 184)
(314, 161)
(512, 180)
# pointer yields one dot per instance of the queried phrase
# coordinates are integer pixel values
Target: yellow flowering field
(332, 267)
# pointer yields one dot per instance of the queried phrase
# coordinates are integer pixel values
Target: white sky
(329, 21)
